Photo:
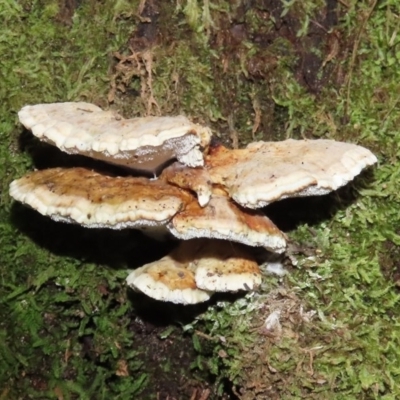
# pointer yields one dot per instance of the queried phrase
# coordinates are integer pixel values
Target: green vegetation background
(68, 326)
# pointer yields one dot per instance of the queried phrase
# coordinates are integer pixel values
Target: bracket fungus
(138, 143)
(229, 184)
(168, 279)
(196, 269)
(94, 200)
(265, 172)
(223, 219)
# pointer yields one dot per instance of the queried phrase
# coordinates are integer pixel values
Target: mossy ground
(259, 70)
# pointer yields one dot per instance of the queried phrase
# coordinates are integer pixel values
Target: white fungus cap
(139, 143)
(99, 201)
(268, 171)
(222, 219)
(167, 280)
(196, 269)
(222, 266)
(265, 172)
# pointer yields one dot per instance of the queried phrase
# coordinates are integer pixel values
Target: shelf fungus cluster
(208, 198)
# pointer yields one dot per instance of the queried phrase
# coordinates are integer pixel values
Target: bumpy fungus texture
(99, 201)
(197, 180)
(167, 280)
(94, 200)
(139, 143)
(265, 172)
(195, 269)
(222, 219)
(228, 184)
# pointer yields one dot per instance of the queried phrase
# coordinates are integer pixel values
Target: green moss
(67, 327)
(349, 349)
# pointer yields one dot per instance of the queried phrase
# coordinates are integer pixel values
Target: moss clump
(349, 278)
(268, 70)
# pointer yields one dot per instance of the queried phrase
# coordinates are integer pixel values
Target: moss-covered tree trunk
(252, 70)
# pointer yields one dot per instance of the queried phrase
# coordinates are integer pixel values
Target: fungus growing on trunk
(93, 200)
(265, 172)
(195, 269)
(221, 218)
(139, 143)
(229, 185)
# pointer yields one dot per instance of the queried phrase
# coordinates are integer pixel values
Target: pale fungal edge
(270, 242)
(209, 280)
(76, 214)
(253, 199)
(41, 126)
(142, 282)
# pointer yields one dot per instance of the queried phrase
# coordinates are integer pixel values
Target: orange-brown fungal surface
(195, 179)
(95, 200)
(222, 219)
(167, 279)
(196, 269)
(221, 266)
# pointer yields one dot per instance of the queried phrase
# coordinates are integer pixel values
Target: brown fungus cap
(139, 143)
(221, 218)
(221, 266)
(195, 269)
(167, 279)
(196, 179)
(265, 172)
(94, 200)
